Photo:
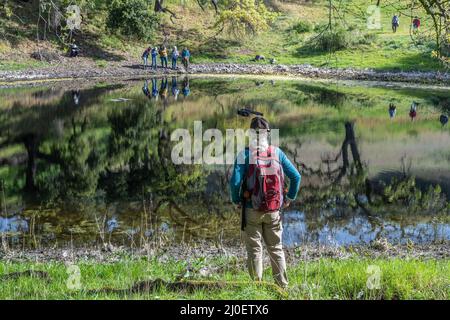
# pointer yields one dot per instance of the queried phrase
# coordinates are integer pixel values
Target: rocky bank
(73, 70)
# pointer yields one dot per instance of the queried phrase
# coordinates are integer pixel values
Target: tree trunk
(31, 144)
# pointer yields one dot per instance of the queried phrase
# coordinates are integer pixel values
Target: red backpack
(265, 180)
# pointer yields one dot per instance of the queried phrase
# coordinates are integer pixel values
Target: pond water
(91, 162)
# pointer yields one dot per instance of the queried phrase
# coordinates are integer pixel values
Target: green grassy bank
(287, 39)
(326, 278)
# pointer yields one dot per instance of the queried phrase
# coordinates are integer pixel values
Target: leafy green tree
(132, 18)
(245, 16)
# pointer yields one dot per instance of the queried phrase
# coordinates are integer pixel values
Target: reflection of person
(175, 90)
(392, 110)
(76, 97)
(262, 222)
(413, 110)
(145, 89)
(154, 89)
(185, 90)
(164, 90)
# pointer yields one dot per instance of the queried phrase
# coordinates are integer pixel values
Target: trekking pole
(243, 220)
(244, 205)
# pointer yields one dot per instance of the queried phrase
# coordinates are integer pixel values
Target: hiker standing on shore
(262, 167)
(154, 53)
(163, 56)
(74, 50)
(175, 55)
(145, 57)
(185, 56)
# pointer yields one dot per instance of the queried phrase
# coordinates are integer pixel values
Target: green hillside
(287, 31)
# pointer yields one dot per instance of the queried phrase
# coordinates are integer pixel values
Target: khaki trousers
(265, 227)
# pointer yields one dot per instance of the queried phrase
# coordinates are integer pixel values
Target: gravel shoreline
(111, 254)
(72, 70)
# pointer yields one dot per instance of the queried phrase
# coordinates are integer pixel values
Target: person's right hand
(286, 204)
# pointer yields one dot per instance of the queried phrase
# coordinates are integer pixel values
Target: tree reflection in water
(95, 163)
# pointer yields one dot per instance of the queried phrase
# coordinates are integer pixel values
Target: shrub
(363, 38)
(332, 40)
(132, 18)
(352, 27)
(302, 26)
(319, 27)
(339, 38)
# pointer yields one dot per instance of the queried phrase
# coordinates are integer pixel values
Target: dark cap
(259, 123)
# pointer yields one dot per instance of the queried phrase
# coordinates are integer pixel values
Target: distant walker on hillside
(395, 23)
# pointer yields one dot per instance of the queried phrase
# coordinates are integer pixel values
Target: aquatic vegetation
(405, 192)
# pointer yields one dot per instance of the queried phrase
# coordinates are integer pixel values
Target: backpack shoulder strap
(273, 151)
(247, 164)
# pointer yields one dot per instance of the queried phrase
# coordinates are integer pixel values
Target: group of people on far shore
(164, 56)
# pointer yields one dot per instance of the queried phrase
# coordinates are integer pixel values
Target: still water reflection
(88, 162)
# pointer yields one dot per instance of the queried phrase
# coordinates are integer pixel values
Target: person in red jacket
(416, 24)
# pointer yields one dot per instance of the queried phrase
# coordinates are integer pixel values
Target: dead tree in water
(336, 169)
(349, 140)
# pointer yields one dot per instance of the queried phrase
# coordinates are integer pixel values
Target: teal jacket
(240, 170)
